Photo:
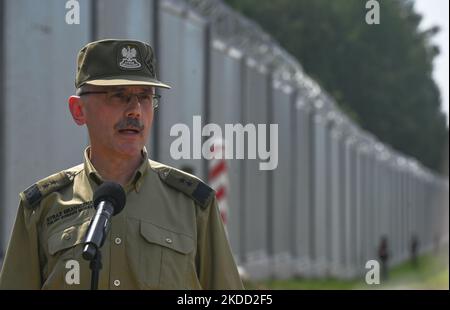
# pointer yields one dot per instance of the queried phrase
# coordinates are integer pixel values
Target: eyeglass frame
(155, 97)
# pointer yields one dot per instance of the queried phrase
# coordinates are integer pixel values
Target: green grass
(431, 272)
(303, 284)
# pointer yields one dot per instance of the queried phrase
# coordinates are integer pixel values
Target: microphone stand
(109, 200)
(93, 253)
(95, 265)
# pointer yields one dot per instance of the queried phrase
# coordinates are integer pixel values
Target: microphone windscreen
(112, 192)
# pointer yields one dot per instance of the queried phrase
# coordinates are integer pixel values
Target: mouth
(129, 131)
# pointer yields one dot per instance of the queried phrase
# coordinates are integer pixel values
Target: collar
(136, 180)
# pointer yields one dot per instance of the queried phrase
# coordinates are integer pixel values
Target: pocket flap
(167, 238)
(67, 237)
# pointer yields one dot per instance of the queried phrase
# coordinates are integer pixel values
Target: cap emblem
(129, 60)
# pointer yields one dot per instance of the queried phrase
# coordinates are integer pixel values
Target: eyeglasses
(120, 98)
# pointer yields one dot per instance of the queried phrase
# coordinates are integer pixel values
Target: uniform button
(116, 282)
(117, 241)
(168, 240)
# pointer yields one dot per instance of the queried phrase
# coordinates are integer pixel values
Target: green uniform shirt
(168, 236)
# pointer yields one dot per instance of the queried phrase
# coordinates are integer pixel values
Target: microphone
(109, 200)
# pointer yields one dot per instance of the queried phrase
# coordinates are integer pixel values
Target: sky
(435, 12)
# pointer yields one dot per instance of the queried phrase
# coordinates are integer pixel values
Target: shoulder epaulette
(190, 185)
(36, 192)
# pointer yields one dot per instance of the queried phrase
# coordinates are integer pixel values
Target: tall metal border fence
(337, 190)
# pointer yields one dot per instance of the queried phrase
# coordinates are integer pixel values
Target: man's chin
(130, 151)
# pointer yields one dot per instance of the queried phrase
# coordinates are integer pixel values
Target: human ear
(77, 110)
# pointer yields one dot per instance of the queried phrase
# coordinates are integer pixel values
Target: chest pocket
(165, 256)
(62, 240)
(63, 245)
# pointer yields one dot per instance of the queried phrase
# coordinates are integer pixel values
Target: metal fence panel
(225, 108)
(39, 63)
(256, 233)
(337, 208)
(282, 181)
(182, 65)
(320, 192)
(302, 197)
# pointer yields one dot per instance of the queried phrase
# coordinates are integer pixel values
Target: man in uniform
(169, 235)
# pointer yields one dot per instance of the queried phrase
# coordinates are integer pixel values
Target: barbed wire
(241, 33)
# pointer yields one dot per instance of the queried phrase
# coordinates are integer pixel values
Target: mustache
(129, 123)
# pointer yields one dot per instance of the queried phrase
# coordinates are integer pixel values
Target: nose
(133, 108)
